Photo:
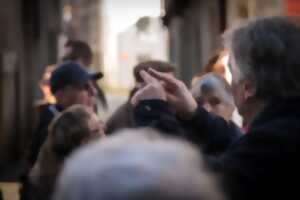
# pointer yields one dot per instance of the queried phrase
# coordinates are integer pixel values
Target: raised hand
(177, 93)
(152, 90)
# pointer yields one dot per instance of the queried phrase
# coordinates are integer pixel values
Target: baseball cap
(71, 73)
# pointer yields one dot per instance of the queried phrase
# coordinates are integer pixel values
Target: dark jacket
(45, 118)
(212, 141)
(264, 164)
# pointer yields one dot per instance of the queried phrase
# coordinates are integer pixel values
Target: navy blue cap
(71, 73)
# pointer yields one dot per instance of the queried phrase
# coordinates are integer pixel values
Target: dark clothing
(217, 135)
(1, 196)
(263, 164)
(45, 117)
(212, 141)
(41, 132)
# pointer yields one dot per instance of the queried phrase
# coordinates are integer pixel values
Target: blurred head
(213, 93)
(44, 85)
(154, 64)
(74, 127)
(218, 64)
(78, 51)
(264, 60)
(135, 165)
(72, 84)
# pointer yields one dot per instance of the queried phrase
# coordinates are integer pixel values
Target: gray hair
(136, 164)
(267, 51)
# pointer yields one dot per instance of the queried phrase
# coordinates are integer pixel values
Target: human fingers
(168, 78)
(148, 79)
(150, 91)
(136, 97)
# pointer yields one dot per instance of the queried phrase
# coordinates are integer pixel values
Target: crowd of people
(168, 141)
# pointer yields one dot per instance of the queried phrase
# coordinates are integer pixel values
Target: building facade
(146, 40)
(81, 20)
(196, 27)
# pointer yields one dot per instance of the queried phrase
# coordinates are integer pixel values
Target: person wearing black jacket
(71, 84)
(264, 60)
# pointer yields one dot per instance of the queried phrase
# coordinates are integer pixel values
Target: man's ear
(61, 94)
(249, 88)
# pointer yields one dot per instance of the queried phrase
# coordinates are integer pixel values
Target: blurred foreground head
(76, 126)
(135, 165)
(73, 128)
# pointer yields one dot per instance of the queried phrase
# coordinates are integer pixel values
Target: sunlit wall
(119, 18)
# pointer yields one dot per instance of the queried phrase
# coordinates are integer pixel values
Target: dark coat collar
(279, 108)
(59, 107)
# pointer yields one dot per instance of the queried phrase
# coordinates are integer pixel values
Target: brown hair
(211, 64)
(160, 66)
(69, 130)
(79, 50)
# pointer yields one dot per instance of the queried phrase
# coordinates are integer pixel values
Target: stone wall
(194, 36)
(239, 11)
(195, 27)
(28, 42)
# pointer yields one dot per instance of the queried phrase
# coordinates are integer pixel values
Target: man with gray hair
(137, 165)
(265, 65)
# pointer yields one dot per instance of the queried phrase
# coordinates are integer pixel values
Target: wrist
(188, 113)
